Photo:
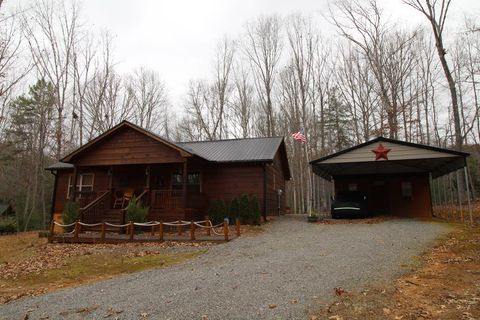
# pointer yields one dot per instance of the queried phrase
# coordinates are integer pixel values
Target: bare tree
(436, 13)
(362, 24)
(208, 103)
(242, 102)
(52, 32)
(148, 98)
(262, 45)
(11, 58)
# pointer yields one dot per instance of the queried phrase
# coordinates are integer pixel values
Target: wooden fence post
(132, 230)
(225, 230)
(192, 231)
(52, 228)
(161, 231)
(52, 231)
(180, 230)
(237, 226)
(209, 229)
(103, 231)
(153, 230)
(77, 229)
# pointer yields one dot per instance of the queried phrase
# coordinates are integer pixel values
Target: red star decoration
(381, 152)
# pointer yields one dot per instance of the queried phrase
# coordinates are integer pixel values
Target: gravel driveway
(280, 274)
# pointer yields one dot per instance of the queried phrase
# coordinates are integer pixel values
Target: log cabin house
(175, 180)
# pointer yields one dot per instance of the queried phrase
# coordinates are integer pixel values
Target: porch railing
(173, 199)
(143, 198)
(166, 199)
(95, 208)
(84, 198)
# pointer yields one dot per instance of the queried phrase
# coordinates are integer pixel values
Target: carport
(394, 175)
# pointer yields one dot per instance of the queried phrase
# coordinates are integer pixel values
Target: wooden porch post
(184, 187)
(147, 174)
(75, 174)
(110, 187)
(110, 178)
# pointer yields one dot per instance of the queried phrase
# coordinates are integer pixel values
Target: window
(84, 183)
(193, 181)
(407, 190)
(352, 187)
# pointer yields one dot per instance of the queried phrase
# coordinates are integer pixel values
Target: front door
(378, 197)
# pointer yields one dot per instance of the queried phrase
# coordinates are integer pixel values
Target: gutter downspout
(54, 195)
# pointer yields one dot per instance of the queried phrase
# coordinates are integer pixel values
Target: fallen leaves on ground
(54, 255)
(372, 220)
(445, 285)
(25, 274)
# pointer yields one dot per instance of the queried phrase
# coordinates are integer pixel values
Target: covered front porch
(170, 191)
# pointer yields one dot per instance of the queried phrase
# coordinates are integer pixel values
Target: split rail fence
(144, 232)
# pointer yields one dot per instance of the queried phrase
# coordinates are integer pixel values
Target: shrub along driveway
(282, 273)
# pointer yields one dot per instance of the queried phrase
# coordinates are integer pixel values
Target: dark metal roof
(235, 150)
(59, 166)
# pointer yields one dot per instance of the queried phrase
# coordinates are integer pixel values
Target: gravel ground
(280, 274)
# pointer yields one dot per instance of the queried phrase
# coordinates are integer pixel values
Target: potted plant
(312, 216)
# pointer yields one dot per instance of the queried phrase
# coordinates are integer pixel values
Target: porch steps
(113, 216)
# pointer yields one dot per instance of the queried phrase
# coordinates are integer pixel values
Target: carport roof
(403, 157)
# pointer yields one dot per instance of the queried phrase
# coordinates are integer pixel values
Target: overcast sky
(177, 38)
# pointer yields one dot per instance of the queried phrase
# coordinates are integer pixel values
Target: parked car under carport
(349, 204)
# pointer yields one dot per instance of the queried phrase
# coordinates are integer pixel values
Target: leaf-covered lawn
(31, 266)
(444, 283)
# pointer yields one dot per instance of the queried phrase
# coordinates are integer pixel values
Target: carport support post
(432, 194)
(459, 196)
(465, 170)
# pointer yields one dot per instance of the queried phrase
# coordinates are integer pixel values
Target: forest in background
(59, 88)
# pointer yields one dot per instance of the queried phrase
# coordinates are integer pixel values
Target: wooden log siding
(128, 146)
(228, 181)
(275, 181)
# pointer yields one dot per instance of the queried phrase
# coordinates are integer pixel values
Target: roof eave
(383, 139)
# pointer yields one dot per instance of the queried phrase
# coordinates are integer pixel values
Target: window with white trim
(84, 183)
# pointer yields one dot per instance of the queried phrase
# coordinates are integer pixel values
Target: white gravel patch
(283, 273)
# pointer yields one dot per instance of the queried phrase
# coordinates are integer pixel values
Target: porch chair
(124, 198)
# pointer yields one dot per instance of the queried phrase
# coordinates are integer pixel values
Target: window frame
(80, 185)
(174, 185)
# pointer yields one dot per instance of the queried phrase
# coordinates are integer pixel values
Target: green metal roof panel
(235, 150)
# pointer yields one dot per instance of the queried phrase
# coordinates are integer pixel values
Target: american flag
(300, 135)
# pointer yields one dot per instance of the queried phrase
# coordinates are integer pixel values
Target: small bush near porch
(244, 207)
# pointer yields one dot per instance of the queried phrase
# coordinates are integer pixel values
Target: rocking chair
(124, 199)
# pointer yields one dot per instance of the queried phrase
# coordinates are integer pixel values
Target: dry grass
(454, 214)
(444, 283)
(19, 246)
(29, 266)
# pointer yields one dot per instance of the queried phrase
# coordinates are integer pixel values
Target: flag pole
(309, 182)
(309, 175)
